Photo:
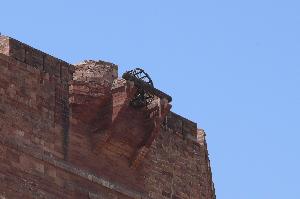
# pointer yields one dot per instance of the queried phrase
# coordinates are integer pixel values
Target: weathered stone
(70, 132)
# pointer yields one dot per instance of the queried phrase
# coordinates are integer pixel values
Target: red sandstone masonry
(50, 148)
(35, 58)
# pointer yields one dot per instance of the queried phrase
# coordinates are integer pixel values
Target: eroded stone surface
(95, 71)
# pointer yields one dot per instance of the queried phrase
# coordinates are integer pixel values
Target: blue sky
(232, 66)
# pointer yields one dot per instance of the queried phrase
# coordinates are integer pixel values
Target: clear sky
(232, 66)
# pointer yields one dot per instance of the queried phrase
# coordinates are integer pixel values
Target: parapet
(181, 125)
(36, 58)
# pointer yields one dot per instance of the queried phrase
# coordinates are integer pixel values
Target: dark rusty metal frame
(145, 89)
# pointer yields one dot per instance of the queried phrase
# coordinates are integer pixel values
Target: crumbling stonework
(69, 131)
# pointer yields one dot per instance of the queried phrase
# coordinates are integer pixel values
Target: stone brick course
(69, 131)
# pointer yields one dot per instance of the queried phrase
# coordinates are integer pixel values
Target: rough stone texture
(69, 132)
